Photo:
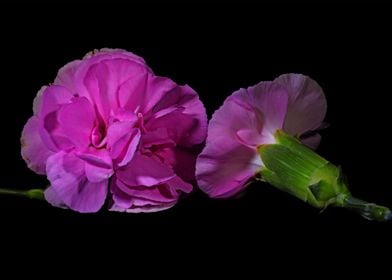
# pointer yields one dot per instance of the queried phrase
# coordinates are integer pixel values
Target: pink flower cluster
(108, 130)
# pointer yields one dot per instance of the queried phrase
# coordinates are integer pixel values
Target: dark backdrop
(216, 52)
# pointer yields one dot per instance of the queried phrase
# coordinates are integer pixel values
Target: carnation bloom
(108, 127)
(249, 119)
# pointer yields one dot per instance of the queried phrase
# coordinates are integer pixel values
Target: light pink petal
(307, 104)
(144, 171)
(66, 175)
(66, 76)
(271, 100)
(77, 121)
(34, 152)
(52, 197)
(226, 174)
(230, 159)
(107, 53)
(312, 141)
(37, 102)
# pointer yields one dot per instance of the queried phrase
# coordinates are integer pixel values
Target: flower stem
(294, 168)
(32, 193)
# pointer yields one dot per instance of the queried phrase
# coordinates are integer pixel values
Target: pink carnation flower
(108, 123)
(249, 118)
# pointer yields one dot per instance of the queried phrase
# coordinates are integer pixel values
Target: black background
(216, 51)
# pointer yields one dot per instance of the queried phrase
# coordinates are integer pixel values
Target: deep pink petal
(307, 104)
(34, 152)
(77, 121)
(66, 175)
(144, 171)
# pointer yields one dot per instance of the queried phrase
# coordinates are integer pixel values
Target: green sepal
(294, 168)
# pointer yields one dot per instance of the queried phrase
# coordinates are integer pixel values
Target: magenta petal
(159, 193)
(307, 104)
(77, 120)
(139, 199)
(50, 131)
(177, 184)
(97, 165)
(67, 178)
(34, 152)
(144, 171)
(139, 205)
(123, 141)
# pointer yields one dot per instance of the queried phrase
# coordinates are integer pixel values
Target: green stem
(32, 193)
(368, 210)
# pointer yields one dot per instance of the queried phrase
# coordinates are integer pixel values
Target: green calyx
(296, 169)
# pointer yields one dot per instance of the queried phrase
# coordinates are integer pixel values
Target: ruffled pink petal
(34, 152)
(247, 119)
(227, 163)
(77, 121)
(144, 171)
(66, 175)
(307, 104)
(102, 74)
